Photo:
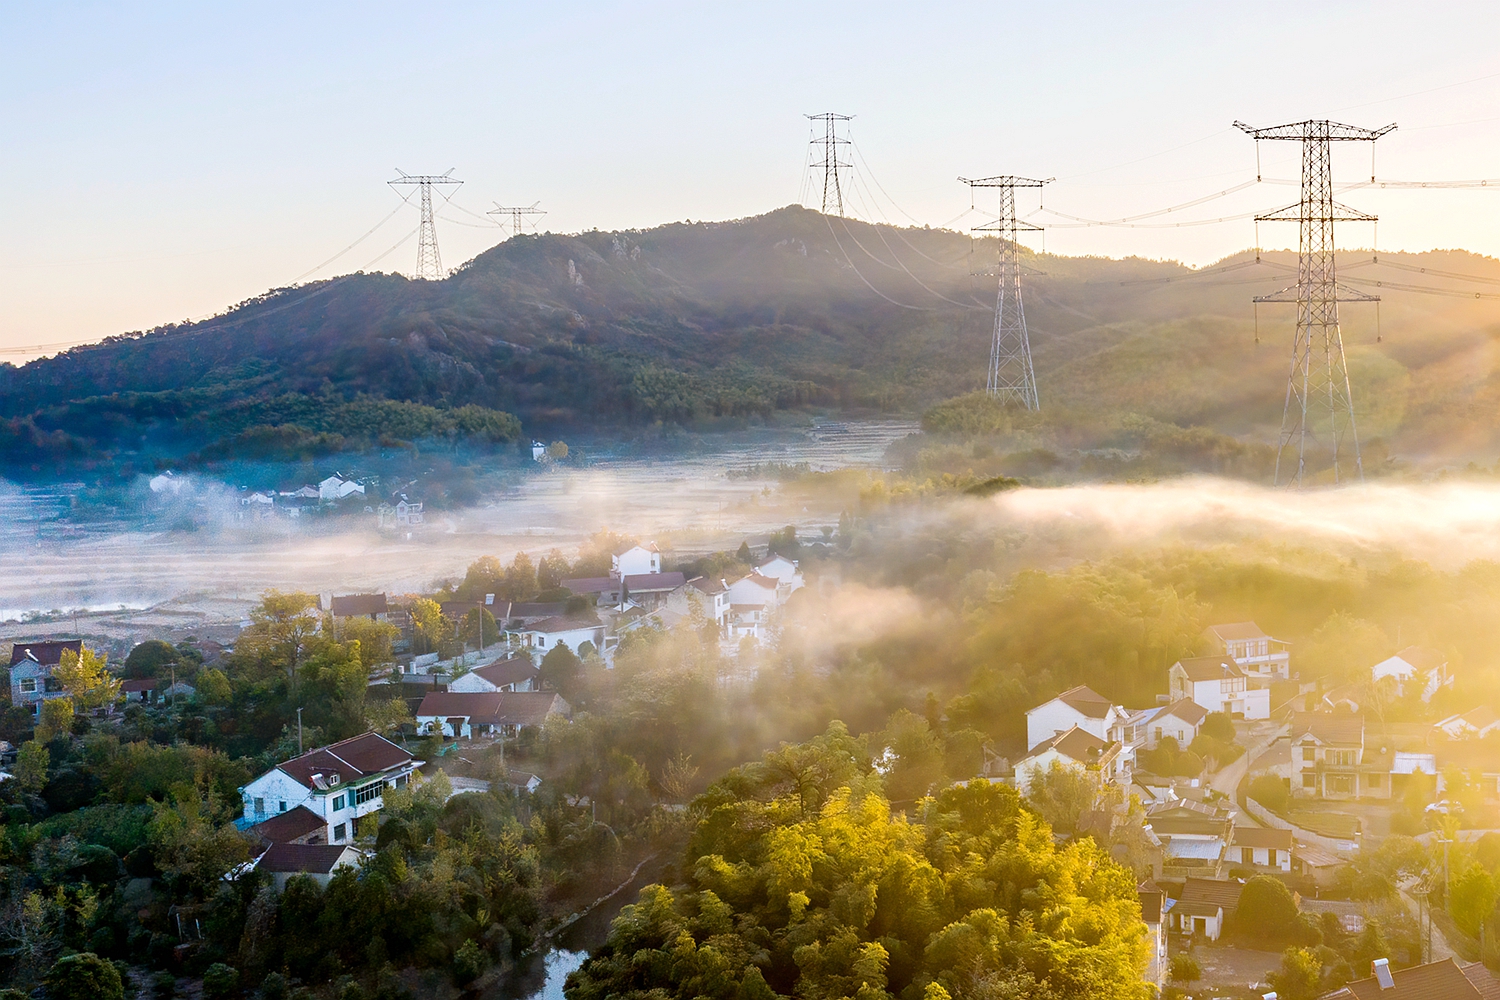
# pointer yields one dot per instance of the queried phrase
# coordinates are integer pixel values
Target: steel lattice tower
(516, 213)
(429, 261)
(833, 188)
(1011, 377)
(1317, 390)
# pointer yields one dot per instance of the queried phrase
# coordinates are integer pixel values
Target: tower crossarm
(1301, 211)
(1315, 128)
(1343, 293)
(1004, 180)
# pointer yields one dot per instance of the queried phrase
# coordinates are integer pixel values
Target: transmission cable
(404, 202)
(861, 277)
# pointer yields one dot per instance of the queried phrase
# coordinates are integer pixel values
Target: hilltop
(711, 324)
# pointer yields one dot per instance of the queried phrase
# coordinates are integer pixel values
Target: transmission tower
(517, 213)
(1011, 378)
(833, 188)
(1317, 390)
(429, 261)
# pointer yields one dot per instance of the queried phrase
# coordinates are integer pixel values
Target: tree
(374, 637)
(550, 570)
(520, 579)
(1218, 726)
(86, 680)
(1343, 647)
(55, 719)
(1471, 898)
(557, 451)
(909, 756)
(84, 976)
(31, 766)
(433, 629)
(1185, 968)
(744, 554)
(479, 628)
(1267, 913)
(560, 670)
(148, 658)
(1300, 976)
(387, 715)
(1271, 792)
(220, 982)
(213, 687)
(1062, 794)
(281, 629)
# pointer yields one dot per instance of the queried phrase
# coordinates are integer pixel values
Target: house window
(401, 781)
(1247, 855)
(1373, 781)
(28, 685)
(1341, 784)
(260, 806)
(283, 807)
(1341, 758)
(1309, 781)
(371, 791)
(1309, 753)
(338, 803)
(338, 834)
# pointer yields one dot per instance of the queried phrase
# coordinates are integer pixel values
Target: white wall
(1047, 720)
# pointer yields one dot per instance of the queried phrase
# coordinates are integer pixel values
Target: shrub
(84, 976)
(1218, 726)
(1185, 969)
(1271, 792)
(469, 962)
(220, 981)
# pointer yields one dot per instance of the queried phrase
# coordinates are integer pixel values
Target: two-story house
(1329, 758)
(1218, 684)
(31, 666)
(1180, 720)
(569, 630)
(635, 578)
(785, 572)
(1194, 836)
(1415, 668)
(1262, 657)
(1079, 706)
(335, 785)
(1076, 748)
(752, 599)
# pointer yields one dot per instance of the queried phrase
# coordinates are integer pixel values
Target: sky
(163, 161)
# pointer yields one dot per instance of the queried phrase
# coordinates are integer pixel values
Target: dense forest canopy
(708, 324)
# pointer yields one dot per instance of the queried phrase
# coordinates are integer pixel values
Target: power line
(833, 189)
(429, 260)
(1319, 377)
(517, 214)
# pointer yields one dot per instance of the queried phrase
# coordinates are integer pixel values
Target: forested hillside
(708, 324)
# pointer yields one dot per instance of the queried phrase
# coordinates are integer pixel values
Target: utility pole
(1011, 377)
(833, 188)
(299, 732)
(429, 261)
(516, 212)
(1319, 379)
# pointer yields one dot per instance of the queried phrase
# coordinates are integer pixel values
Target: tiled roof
(591, 584)
(1422, 657)
(1086, 701)
(1260, 836)
(1238, 631)
(135, 685)
(1185, 826)
(530, 708)
(477, 706)
(1435, 981)
(1209, 668)
(289, 826)
(47, 652)
(639, 582)
(563, 623)
(1483, 979)
(349, 759)
(503, 672)
(314, 859)
(1075, 744)
(1476, 717)
(351, 605)
(1331, 728)
(1224, 892)
(1152, 897)
(1186, 709)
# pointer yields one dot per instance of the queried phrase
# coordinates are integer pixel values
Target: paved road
(1227, 780)
(1440, 946)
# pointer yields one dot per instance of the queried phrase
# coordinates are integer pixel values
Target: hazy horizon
(172, 162)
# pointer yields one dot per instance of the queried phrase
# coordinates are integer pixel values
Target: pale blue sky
(161, 161)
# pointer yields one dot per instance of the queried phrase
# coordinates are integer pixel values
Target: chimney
(1381, 970)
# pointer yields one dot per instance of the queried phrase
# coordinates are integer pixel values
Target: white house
(468, 714)
(710, 596)
(338, 784)
(1426, 667)
(1203, 905)
(538, 451)
(1257, 653)
(1180, 720)
(751, 600)
(635, 560)
(167, 482)
(336, 488)
(31, 666)
(1075, 748)
(515, 674)
(1218, 684)
(1079, 706)
(1153, 907)
(1473, 724)
(1193, 835)
(319, 862)
(1261, 847)
(785, 572)
(570, 630)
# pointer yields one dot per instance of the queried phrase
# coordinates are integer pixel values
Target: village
(1239, 776)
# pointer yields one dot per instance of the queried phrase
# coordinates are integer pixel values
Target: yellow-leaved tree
(84, 676)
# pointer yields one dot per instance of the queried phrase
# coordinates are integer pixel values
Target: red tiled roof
(314, 859)
(503, 672)
(134, 684)
(1256, 836)
(1435, 981)
(1238, 631)
(1186, 709)
(353, 758)
(1224, 892)
(1086, 700)
(591, 584)
(286, 827)
(477, 706)
(358, 604)
(641, 582)
(1333, 728)
(48, 652)
(1422, 657)
(564, 623)
(1209, 668)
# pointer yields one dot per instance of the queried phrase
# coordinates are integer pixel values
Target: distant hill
(706, 324)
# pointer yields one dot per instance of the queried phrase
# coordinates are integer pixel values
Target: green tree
(149, 658)
(1267, 913)
(1471, 898)
(1185, 968)
(744, 555)
(283, 628)
(1271, 792)
(88, 683)
(213, 687)
(1343, 648)
(520, 579)
(55, 718)
(561, 670)
(32, 762)
(1218, 726)
(375, 639)
(84, 976)
(479, 628)
(909, 756)
(1062, 794)
(433, 629)
(1300, 976)
(220, 982)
